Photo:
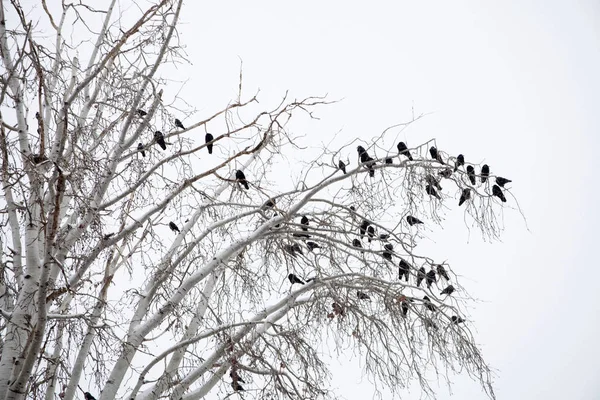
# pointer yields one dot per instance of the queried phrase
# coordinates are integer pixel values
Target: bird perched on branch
(445, 173)
(430, 278)
(208, 138)
(420, 276)
(433, 182)
(235, 376)
(387, 252)
(141, 113)
(457, 319)
(312, 245)
(471, 174)
(413, 220)
(294, 279)
(404, 307)
(485, 173)
(371, 232)
(269, 204)
(174, 227)
(237, 387)
(404, 270)
(88, 396)
(366, 159)
(466, 195)
(241, 178)
(442, 272)
(304, 222)
(402, 149)
(363, 228)
(435, 154)
(178, 124)
(342, 166)
(502, 181)
(431, 191)
(141, 149)
(460, 160)
(362, 295)
(356, 243)
(496, 191)
(160, 139)
(449, 290)
(427, 302)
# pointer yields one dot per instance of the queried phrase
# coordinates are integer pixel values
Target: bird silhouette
(384, 236)
(88, 396)
(178, 124)
(435, 154)
(404, 270)
(442, 272)
(237, 387)
(389, 161)
(366, 160)
(312, 245)
(362, 295)
(502, 181)
(460, 160)
(457, 320)
(431, 191)
(471, 174)
(304, 221)
(430, 278)
(433, 182)
(404, 308)
(174, 227)
(363, 228)
(241, 178)
(387, 252)
(141, 113)
(428, 304)
(413, 220)
(449, 290)
(293, 249)
(420, 276)
(297, 249)
(402, 149)
(235, 376)
(208, 138)
(496, 191)
(485, 173)
(371, 232)
(141, 149)
(356, 243)
(160, 139)
(294, 279)
(269, 204)
(466, 195)
(445, 173)
(342, 166)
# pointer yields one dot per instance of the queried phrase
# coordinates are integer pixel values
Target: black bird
(269, 204)
(356, 243)
(428, 304)
(445, 173)
(297, 249)
(178, 124)
(402, 149)
(174, 227)
(466, 195)
(442, 272)
(404, 308)
(292, 249)
(420, 276)
(160, 139)
(389, 161)
(435, 154)
(342, 166)
(312, 245)
(208, 138)
(457, 320)
(449, 290)
(141, 113)
(235, 376)
(496, 191)
(460, 160)
(371, 232)
(413, 220)
(387, 252)
(304, 221)
(471, 174)
(431, 191)
(363, 228)
(361, 150)
(430, 278)
(404, 270)
(485, 173)
(433, 182)
(141, 149)
(241, 178)
(294, 279)
(237, 387)
(362, 295)
(366, 159)
(502, 181)
(384, 236)
(88, 396)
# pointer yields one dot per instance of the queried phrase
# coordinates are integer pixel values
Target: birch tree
(138, 262)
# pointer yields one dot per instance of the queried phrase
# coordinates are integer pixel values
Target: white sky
(515, 84)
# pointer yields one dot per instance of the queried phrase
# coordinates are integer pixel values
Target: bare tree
(144, 259)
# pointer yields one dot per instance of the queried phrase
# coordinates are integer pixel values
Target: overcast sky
(513, 83)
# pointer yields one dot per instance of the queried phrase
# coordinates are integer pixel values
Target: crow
(371, 232)
(361, 150)
(404, 308)
(460, 160)
(433, 182)
(413, 220)
(402, 149)
(356, 243)
(502, 181)
(430, 278)
(471, 174)
(237, 387)
(174, 227)
(428, 304)
(442, 272)
(445, 173)
(241, 178)
(291, 249)
(363, 228)
(466, 195)
(269, 204)
(449, 290)
(496, 191)
(294, 279)
(404, 270)
(235, 376)
(297, 249)
(304, 221)
(389, 161)
(312, 245)
(420, 276)
(431, 191)
(208, 138)
(387, 252)
(384, 236)
(342, 166)
(141, 113)
(366, 159)
(435, 154)
(457, 320)
(160, 139)
(485, 173)
(178, 124)
(362, 295)
(88, 396)
(141, 149)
